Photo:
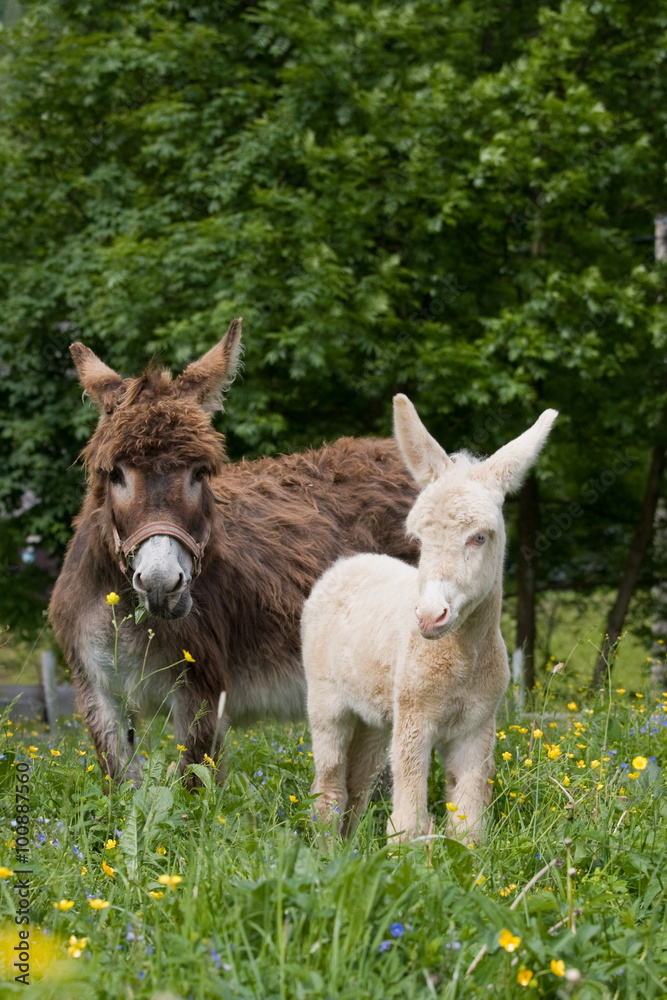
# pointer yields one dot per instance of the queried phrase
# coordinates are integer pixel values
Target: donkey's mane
(155, 424)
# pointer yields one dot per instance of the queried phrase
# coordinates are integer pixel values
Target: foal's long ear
(422, 454)
(510, 464)
(101, 383)
(206, 379)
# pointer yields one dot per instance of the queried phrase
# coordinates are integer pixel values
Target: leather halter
(125, 549)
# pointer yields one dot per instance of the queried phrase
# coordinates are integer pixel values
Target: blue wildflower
(396, 930)
(384, 946)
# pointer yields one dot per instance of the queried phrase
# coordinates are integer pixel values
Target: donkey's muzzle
(162, 577)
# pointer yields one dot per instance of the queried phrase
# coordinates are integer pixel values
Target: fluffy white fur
(399, 660)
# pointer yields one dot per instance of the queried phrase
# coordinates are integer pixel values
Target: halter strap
(125, 549)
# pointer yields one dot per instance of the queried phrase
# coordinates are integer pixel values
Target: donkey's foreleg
(112, 731)
(201, 734)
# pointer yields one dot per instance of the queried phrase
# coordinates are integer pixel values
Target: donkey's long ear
(207, 378)
(101, 383)
(422, 454)
(510, 464)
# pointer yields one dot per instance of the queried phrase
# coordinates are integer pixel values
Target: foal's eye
(116, 476)
(476, 540)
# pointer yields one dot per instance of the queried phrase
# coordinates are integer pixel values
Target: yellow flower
(179, 746)
(108, 869)
(90, 768)
(64, 904)
(599, 787)
(55, 753)
(75, 948)
(113, 598)
(507, 755)
(170, 880)
(558, 967)
(581, 763)
(638, 695)
(6, 872)
(527, 762)
(554, 752)
(572, 705)
(524, 976)
(110, 844)
(452, 808)
(155, 895)
(633, 774)
(293, 798)
(84, 870)
(188, 656)
(594, 764)
(566, 781)
(99, 904)
(221, 819)
(461, 816)
(33, 749)
(620, 690)
(639, 763)
(508, 941)
(482, 878)
(161, 849)
(537, 733)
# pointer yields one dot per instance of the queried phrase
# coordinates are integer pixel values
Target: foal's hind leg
(367, 754)
(331, 740)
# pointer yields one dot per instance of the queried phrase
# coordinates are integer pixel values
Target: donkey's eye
(476, 540)
(199, 474)
(116, 476)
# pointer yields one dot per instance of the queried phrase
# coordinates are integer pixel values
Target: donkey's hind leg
(367, 755)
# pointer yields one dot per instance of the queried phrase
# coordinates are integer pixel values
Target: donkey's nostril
(178, 585)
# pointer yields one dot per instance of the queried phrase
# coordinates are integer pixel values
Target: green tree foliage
(443, 198)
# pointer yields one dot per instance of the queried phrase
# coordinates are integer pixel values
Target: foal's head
(458, 516)
(149, 462)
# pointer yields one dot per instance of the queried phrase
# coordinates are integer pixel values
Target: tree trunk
(527, 577)
(638, 549)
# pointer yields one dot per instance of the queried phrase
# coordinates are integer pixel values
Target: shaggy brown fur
(285, 520)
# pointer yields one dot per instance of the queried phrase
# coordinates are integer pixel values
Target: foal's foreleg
(469, 766)
(412, 743)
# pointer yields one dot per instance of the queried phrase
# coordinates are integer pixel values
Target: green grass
(270, 906)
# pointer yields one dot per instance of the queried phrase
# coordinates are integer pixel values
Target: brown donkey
(221, 556)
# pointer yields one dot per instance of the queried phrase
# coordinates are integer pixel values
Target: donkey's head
(149, 462)
(458, 516)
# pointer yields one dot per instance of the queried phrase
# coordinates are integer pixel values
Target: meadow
(237, 894)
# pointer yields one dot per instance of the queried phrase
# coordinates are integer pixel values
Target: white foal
(399, 660)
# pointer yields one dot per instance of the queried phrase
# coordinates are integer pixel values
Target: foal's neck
(483, 623)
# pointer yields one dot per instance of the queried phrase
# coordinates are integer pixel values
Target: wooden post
(659, 590)
(50, 688)
(527, 577)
